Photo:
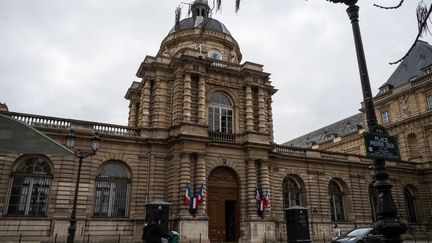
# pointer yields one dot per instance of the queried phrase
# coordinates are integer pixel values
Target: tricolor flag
(262, 200)
(261, 206)
(194, 203)
(266, 199)
(187, 199)
(257, 195)
(201, 194)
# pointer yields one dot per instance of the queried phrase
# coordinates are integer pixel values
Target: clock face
(215, 54)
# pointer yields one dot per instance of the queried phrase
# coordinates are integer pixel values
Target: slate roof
(412, 65)
(198, 21)
(337, 129)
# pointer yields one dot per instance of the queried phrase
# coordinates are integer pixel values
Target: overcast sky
(76, 59)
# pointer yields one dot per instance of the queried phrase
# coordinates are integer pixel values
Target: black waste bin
(297, 224)
(158, 209)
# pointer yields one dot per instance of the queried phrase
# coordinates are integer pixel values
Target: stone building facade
(198, 116)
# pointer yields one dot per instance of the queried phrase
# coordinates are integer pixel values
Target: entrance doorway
(223, 205)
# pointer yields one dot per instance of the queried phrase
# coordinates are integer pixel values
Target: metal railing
(222, 137)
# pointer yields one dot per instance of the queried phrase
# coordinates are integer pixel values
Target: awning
(19, 138)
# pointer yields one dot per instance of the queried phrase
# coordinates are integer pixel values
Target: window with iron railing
(336, 201)
(410, 205)
(291, 193)
(112, 190)
(29, 192)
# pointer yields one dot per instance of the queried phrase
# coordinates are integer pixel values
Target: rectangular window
(429, 101)
(385, 117)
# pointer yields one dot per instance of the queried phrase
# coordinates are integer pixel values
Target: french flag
(201, 194)
(257, 195)
(261, 206)
(194, 203)
(266, 199)
(187, 199)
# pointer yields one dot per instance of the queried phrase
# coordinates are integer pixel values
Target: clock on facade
(215, 54)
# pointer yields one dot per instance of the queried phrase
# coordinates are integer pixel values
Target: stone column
(201, 101)
(163, 96)
(132, 122)
(261, 111)
(177, 112)
(156, 103)
(187, 98)
(265, 184)
(145, 105)
(251, 189)
(249, 109)
(184, 179)
(270, 117)
(201, 179)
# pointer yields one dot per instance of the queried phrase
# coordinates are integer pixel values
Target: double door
(223, 205)
(223, 214)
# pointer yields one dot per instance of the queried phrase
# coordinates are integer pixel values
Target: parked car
(359, 235)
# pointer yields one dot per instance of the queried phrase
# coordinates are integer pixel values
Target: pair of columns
(196, 178)
(187, 101)
(257, 174)
(262, 107)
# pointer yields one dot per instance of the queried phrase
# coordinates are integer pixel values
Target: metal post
(388, 222)
(20, 237)
(72, 226)
(119, 238)
(55, 238)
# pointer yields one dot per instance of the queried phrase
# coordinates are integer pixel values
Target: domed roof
(199, 21)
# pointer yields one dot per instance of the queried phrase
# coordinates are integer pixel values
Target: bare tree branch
(421, 27)
(394, 7)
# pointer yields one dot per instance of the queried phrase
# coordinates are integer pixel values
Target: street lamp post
(70, 141)
(388, 222)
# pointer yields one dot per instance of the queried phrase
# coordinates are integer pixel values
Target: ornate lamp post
(70, 141)
(379, 145)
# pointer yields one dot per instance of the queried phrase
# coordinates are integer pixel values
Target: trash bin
(297, 224)
(175, 237)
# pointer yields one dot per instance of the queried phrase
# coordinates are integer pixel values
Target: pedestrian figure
(336, 231)
(152, 233)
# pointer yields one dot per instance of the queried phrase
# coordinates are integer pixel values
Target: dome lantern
(200, 8)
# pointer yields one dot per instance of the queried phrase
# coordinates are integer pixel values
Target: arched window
(31, 182)
(410, 205)
(220, 113)
(291, 193)
(373, 201)
(112, 189)
(336, 201)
